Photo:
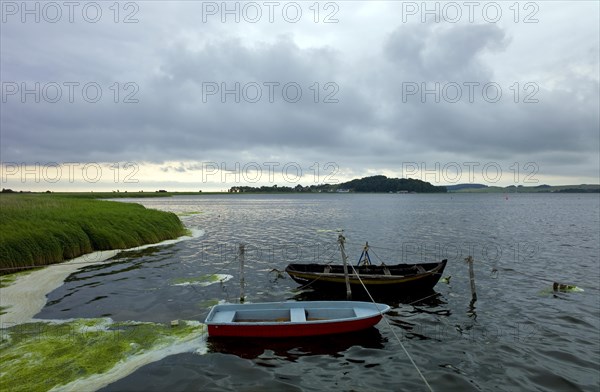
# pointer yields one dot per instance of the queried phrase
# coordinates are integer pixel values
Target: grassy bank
(41, 229)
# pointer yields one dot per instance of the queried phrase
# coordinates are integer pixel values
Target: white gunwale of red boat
(292, 319)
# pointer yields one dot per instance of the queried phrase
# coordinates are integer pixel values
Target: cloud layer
(375, 90)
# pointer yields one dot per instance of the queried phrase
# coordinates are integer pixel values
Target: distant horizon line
(8, 189)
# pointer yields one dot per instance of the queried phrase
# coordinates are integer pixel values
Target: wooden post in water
(341, 240)
(241, 254)
(469, 261)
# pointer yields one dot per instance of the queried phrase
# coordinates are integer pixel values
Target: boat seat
(297, 315)
(224, 317)
(361, 312)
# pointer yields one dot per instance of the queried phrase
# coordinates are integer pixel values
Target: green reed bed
(40, 229)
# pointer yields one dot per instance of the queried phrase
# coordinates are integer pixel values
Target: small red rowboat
(292, 319)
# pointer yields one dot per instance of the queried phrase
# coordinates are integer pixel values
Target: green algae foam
(88, 354)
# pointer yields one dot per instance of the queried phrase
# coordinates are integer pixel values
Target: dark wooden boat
(382, 279)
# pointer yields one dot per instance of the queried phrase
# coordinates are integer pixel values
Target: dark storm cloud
(171, 61)
(174, 119)
(538, 120)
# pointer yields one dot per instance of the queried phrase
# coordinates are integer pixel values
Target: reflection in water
(123, 262)
(291, 349)
(404, 307)
(427, 299)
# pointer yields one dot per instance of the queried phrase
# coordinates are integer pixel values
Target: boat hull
(277, 320)
(389, 279)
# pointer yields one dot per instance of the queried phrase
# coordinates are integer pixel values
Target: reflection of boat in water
(424, 301)
(293, 348)
(379, 279)
(293, 319)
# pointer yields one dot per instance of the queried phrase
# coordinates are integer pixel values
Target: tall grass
(40, 229)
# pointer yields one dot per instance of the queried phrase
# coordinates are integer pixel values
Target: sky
(191, 95)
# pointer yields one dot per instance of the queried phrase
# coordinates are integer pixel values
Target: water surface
(519, 335)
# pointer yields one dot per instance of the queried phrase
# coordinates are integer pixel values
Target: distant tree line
(384, 184)
(578, 190)
(376, 184)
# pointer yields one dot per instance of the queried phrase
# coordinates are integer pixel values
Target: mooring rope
(494, 269)
(376, 255)
(371, 247)
(423, 299)
(394, 333)
(309, 283)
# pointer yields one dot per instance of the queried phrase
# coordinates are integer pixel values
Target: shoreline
(26, 296)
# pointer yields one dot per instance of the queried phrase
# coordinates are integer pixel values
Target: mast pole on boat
(364, 258)
(341, 241)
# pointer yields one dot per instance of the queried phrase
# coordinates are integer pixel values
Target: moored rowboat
(388, 279)
(292, 319)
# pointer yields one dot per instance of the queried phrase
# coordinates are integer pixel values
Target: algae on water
(189, 213)
(203, 280)
(43, 355)
(208, 303)
(7, 280)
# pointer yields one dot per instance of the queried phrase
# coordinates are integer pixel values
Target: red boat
(293, 319)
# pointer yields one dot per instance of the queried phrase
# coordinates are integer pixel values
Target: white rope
(394, 333)
(494, 268)
(423, 299)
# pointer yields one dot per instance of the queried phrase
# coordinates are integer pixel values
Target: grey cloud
(171, 113)
(432, 51)
(372, 126)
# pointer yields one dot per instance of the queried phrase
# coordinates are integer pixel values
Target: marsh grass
(42, 229)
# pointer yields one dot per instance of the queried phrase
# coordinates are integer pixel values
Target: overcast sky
(498, 93)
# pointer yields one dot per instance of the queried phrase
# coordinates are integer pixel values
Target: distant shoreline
(480, 188)
(490, 190)
(459, 188)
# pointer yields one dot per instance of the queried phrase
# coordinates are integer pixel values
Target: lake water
(519, 335)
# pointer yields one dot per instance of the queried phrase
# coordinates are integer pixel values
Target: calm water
(518, 336)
